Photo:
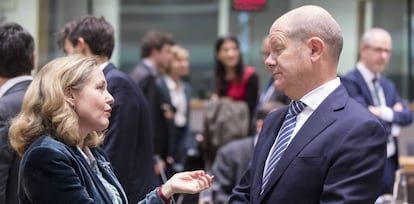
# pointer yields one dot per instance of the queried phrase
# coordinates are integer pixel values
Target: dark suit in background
(10, 104)
(358, 89)
(369, 87)
(147, 78)
(229, 166)
(16, 62)
(178, 137)
(156, 55)
(269, 94)
(129, 127)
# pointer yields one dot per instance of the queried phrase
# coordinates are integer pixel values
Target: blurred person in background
(232, 78)
(129, 137)
(156, 55)
(229, 113)
(378, 94)
(17, 60)
(177, 94)
(232, 159)
(269, 92)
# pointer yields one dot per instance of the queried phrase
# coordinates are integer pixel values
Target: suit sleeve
(51, 178)
(357, 164)
(404, 117)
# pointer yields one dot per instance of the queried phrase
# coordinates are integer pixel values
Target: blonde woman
(177, 94)
(58, 133)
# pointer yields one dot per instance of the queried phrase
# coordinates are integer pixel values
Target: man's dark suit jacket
(10, 105)
(148, 83)
(229, 166)
(74, 181)
(276, 96)
(358, 89)
(128, 141)
(338, 156)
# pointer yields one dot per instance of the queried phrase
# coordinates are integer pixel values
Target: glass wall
(392, 15)
(196, 24)
(56, 14)
(251, 28)
(193, 24)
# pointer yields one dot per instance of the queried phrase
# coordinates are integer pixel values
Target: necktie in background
(391, 146)
(375, 82)
(282, 141)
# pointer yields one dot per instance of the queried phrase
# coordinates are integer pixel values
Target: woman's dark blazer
(52, 172)
(166, 98)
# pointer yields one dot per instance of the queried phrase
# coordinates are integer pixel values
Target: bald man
(317, 150)
(378, 94)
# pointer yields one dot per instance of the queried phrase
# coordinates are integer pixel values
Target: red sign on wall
(249, 5)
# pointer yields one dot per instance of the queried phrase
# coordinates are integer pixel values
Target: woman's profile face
(93, 103)
(179, 66)
(229, 54)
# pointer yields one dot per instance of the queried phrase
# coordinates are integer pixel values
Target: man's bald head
(311, 21)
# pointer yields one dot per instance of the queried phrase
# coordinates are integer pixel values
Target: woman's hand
(187, 182)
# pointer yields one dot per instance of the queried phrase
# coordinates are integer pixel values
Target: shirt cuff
(387, 113)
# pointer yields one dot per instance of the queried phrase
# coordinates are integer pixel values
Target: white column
(223, 17)
(110, 10)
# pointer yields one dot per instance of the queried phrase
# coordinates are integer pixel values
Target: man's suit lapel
(108, 68)
(388, 92)
(269, 136)
(313, 127)
(364, 87)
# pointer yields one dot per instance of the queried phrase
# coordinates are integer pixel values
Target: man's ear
(317, 47)
(69, 97)
(33, 60)
(82, 46)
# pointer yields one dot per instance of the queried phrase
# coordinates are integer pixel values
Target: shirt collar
(151, 66)
(315, 97)
(366, 73)
(103, 65)
(171, 85)
(13, 81)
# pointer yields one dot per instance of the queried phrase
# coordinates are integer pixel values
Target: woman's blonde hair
(177, 52)
(45, 111)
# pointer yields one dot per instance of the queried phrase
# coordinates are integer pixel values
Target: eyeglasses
(379, 49)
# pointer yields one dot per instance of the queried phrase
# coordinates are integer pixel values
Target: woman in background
(232, 78)
(177, 95)
(58, 133)
(228, 115)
